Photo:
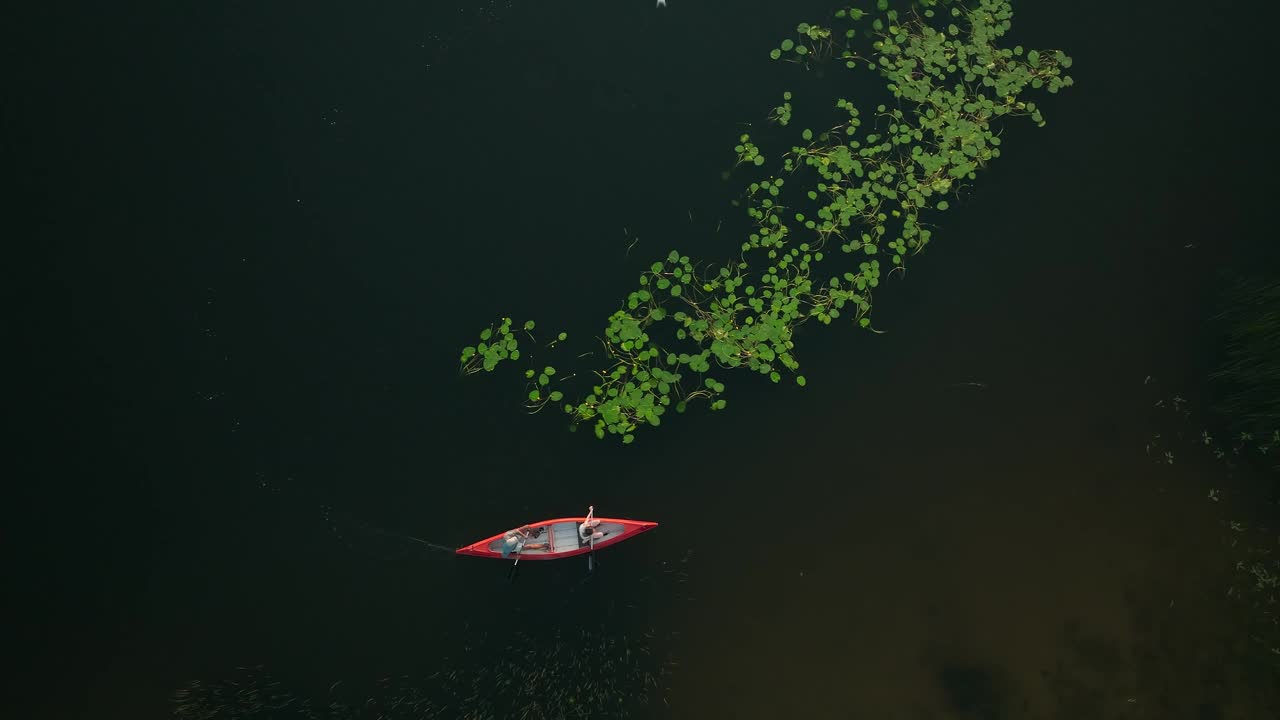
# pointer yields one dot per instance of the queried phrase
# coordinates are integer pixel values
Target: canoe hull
(561, 534)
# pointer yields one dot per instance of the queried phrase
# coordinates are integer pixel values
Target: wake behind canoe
(561, 538)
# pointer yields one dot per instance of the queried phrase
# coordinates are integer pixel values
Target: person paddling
(587, 530)
(517, 541)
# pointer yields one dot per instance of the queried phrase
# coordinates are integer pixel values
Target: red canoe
(561, 536)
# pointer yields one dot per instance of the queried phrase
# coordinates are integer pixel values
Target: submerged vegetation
(582, 675)
(1247, 412)
(845, 205)
(1248, 380)
(1253, 545)
(1243, 426)
(1248, 385)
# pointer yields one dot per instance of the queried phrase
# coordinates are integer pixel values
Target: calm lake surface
(264, 232)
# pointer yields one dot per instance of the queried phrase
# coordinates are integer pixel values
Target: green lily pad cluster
(747, 152)
(782, 113)
(860, 191)
(811, 39)
(496, 344)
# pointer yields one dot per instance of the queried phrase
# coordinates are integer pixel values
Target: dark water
(252, 239)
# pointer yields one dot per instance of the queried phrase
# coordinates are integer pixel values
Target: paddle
(511, 574)
(591, 541)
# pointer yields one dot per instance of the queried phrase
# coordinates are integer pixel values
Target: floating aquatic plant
(840, 209)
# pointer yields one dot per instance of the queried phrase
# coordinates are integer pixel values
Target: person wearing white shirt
(587, 530)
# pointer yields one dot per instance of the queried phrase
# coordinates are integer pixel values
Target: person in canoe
(587, 530)
(517, 540)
